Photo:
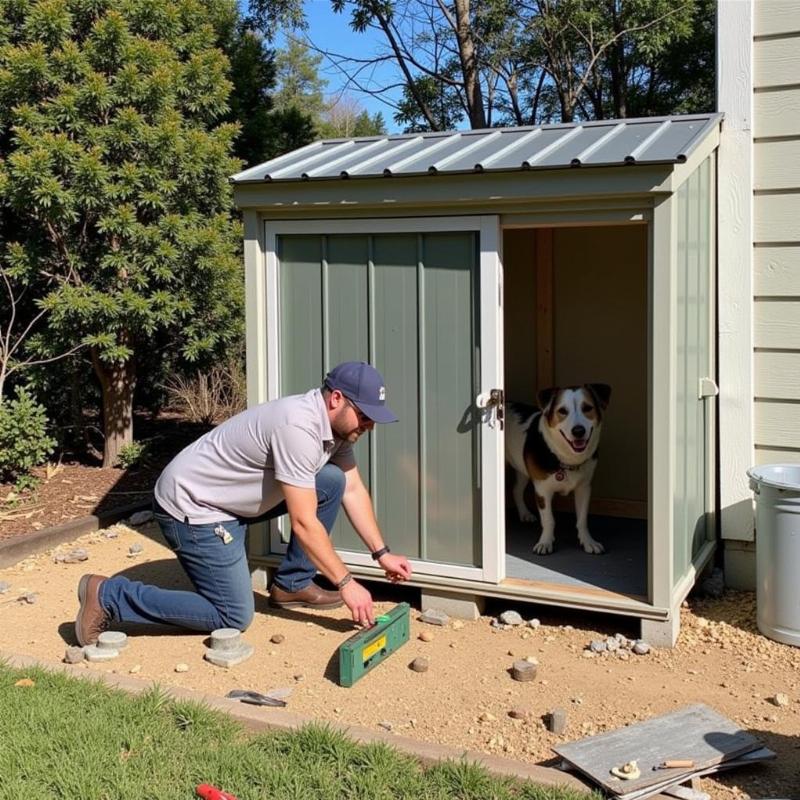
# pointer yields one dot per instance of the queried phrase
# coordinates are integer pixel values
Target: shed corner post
(256, 355)
(735, 26)
(662, 425)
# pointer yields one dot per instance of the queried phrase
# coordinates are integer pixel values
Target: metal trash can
(777, 491)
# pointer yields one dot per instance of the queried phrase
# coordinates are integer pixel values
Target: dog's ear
(601, 392)
(545, 397)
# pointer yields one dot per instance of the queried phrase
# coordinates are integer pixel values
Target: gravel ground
(466, 697)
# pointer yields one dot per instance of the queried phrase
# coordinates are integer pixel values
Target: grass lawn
(79, 740)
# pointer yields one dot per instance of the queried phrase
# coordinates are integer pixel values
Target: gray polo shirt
(233, 471)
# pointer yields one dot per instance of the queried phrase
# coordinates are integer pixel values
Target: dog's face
(572, 419)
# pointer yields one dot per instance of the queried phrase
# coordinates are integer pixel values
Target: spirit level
(366, 649)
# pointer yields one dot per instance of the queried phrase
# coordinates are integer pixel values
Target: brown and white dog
(556, 448)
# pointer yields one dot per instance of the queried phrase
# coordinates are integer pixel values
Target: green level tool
(366, 649)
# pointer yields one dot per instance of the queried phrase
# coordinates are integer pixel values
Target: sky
(330, 31)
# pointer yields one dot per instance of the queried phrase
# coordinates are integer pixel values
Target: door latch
(492, 403)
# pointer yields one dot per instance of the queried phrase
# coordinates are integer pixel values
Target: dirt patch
(74, 488)
(465, 698)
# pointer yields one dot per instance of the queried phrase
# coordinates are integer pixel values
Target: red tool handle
(208, 792)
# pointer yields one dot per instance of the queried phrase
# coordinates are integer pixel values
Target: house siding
(776, 230)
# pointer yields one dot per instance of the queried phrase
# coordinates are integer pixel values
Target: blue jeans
(219, 571)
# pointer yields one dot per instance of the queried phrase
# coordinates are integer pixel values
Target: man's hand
(396, 568)
(359, 601)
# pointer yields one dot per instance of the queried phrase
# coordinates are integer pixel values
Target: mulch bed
(76, 488)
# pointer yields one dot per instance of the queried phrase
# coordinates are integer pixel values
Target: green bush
(24, 442)
(131, 454)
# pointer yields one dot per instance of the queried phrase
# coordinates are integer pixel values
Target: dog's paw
(526, 516)
(543, 547)
(592, 546)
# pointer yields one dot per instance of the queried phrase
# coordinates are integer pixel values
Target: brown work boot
(92, 619)
(311, 596)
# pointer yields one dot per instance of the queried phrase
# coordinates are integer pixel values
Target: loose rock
(140, 517)
(511, 618)
(181, 668)
(534, 623)
(4, 586)
(74, 655)
(641, 648)
(523, 671)
(386, 725)
(434, 617)
(487, 716)
(72, 557)
(598, 646)
(458, 624)
(426, 636)
(277, 638)
(519, 713)
(780, 699)
(134, 550)
(557, 721)
(135, 669)
(420, 664)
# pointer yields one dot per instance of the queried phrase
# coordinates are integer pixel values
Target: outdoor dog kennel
(471, 267)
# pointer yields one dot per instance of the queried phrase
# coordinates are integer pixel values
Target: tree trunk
(117, 380)
(469, 66)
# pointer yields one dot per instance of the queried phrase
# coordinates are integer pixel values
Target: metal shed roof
(650, 140)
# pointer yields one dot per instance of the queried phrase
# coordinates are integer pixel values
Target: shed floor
(622, 568)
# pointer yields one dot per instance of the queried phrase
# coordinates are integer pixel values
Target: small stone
(511, 618)
(531, 660)
(134, 550)
(277, 638)
(534, 623)
(140, 517)
(589, 654)
(386, 725)
(641, 648)
(29, 598)
(434, 617)
(426, 636)
(487, 716)
(181, 668)
(337, 710)
(612, 644)
(299, 677)
(74, 655)
(598, 646)
(420, 664)
(519, 713)
(623, 655)
(74, 556)
(111, 534)
(523, 671)
(4, 586)
(135, 669)
(557, 721)
(780, 699)
(511, 652)
(458, 624)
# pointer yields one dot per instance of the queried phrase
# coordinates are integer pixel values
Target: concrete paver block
(112, 640)
(228, 648)
(95, 653)
(460, 606)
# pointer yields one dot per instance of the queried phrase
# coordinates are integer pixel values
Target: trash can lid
(779, 476)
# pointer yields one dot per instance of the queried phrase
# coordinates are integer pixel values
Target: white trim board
(735, 264)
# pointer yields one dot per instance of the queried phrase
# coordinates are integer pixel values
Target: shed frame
(489, 203)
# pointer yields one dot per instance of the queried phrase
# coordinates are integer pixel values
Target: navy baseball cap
(363, 385)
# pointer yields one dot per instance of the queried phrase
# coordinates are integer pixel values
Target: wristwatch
(382, 552)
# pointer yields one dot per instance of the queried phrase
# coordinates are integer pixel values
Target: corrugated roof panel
(676, 142)
(652, 140)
